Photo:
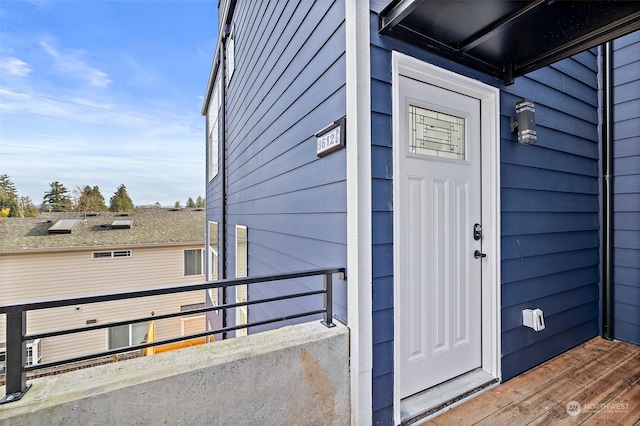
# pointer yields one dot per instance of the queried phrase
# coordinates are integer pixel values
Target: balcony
(294, 372)
(596, 383)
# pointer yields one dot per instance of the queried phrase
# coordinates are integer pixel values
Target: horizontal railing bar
(166, 316)
(167, 341)
(108, 297)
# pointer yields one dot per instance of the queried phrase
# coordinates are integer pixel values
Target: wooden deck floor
(603, 377)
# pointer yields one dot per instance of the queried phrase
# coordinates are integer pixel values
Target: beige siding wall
(66, 274)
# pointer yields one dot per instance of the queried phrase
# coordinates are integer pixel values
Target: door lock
(477, 232)
(478, 255)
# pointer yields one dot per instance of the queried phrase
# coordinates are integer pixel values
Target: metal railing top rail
(107, 297)
(16, 320)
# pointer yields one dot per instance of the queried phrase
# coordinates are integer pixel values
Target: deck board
(596, 373)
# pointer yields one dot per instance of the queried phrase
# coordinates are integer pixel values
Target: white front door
(438, 272)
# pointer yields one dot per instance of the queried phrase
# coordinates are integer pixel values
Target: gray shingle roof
(151, 226)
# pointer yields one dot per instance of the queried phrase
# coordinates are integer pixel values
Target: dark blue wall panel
(288, 83)
(550, 207)
(626, 170)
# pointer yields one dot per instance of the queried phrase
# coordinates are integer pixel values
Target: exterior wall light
(525, 122)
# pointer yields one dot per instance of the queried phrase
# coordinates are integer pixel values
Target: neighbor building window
(34, 352)
(127, 335)
(242, 313)
(193, 262)
(111, 254)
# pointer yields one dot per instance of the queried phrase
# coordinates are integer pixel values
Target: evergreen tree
(8, 194)
(190, 203)
(90, 200)
(14, 209)
(200, 202)
(121, 202)
(27, 207)
(57, 198)
(177, 205)
(7, 186)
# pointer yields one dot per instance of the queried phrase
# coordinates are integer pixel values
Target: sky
(106, 93)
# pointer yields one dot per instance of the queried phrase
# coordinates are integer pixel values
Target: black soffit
(507, 39)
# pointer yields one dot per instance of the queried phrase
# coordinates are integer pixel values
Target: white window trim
(130, 335)
(184, 275)
(213, 143)
(36, 354)
(230, 61)
(210, 250)
(113, 254)
(213, 264)
(242, 312)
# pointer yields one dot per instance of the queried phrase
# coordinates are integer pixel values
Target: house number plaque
(331, 138)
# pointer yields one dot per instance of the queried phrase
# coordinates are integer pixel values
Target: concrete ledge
(292, 375)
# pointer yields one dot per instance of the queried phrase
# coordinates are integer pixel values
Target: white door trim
(490, 150)
(359, 271)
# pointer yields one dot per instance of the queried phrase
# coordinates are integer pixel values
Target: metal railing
(16, 320)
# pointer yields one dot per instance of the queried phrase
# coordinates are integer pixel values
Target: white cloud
(14, 67)
(139, 75)
(71, 63)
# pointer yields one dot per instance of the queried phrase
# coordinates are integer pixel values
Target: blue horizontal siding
(547, 180)
(525, 358)
(552, 304)
(521, 246)
(574, 315)
(288, 83)
(626, 220)
(516, 223)
(520, 292)
(626, 205)
(550, 207)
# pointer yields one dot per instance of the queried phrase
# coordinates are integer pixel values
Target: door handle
(478, 255)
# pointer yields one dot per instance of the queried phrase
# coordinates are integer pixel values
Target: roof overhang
(226, 17)
(507, 39)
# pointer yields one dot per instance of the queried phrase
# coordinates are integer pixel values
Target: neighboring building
(60, 255)
(428, 89)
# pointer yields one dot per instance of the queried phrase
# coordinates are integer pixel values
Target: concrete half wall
(293, 375)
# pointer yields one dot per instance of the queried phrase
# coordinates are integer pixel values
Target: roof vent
(121, 224)
(125, 214)
(64, 226)
(174, 209)
(91, 214)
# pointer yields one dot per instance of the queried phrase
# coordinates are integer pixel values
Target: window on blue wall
(231, 55)
(242, 312)
(213, 261)
(212, 130)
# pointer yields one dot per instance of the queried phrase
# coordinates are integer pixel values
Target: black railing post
(328, 301)
(16, 357)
